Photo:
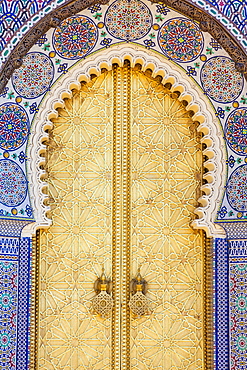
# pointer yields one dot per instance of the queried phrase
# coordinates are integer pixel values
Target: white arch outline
(170, 72)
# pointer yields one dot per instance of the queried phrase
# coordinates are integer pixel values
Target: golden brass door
(124, 169)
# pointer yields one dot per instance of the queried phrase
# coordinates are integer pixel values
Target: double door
(124, 173)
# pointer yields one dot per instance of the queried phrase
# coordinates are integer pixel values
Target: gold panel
(166, 163)
(78, 243)
(124, 171)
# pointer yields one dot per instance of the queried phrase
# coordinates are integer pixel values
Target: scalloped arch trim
(171, 73)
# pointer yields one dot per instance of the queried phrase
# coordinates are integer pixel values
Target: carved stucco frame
(171, 73)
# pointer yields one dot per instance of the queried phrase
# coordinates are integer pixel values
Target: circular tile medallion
(14, 126)
(180, 40)
(75, 37)
(220, 80)
(34, 77)
(128, 20)
(237, 189)
(13, 183)
(236, 131)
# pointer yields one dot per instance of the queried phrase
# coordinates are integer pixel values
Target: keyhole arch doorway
(112, 166)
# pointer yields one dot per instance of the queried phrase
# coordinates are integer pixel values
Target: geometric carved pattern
(102, 304)
(139, 304)
(166, 176)
(165, 171)
(79, 241)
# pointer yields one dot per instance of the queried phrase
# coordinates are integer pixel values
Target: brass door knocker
(139, 303)
(102, 302)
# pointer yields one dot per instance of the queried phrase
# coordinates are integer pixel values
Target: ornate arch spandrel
(53, 19)
(170, 73)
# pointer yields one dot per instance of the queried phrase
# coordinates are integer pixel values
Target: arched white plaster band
(170, 72)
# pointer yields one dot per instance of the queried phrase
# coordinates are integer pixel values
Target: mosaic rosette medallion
(237, 189)
(128, 20)
(236, 131)
(220, 80)
(180, 40)
(75, 37)
(14, 126)
(13, 183)
(34, 77)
